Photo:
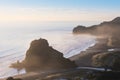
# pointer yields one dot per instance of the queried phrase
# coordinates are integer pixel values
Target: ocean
(15, 40)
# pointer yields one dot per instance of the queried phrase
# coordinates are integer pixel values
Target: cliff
(104, 28)
(107, 29)
(41, 56)
(107, 34)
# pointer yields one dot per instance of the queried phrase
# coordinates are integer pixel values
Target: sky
(58, 10)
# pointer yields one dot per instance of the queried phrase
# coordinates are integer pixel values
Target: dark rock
(43, 57)
(110, 75)
(105, 28)
(83, 30)
(79, 29)
(11, 78)
(116, 20)
(107, 59)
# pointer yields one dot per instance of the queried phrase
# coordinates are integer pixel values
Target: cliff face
(43, 57)
(105, 28)
(109, 30)
(108, 38)
(84, 30)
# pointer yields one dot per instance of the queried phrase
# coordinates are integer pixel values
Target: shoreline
(30, 75)
(83, 59)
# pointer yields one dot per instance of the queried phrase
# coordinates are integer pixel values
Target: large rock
(107, 59)
(84, 30)
(43, 57)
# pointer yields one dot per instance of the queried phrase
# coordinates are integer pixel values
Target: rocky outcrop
(105, 28)
(107, 36)
(107, 59)
(84, 30)
(41, 56)
(108, 30)
(116, 20)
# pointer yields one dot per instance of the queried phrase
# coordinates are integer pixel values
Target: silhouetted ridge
(107, 35)
(116, 20)
(110, 30)
(43, 57)
(98, 29)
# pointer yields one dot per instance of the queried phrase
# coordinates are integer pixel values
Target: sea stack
(41, 56)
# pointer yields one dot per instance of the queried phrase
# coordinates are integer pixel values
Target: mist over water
(15, 40)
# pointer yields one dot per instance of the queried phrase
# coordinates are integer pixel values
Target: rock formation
(105, 28)
(109, 30)
(107, 34)
(41, 56)
(107, 59)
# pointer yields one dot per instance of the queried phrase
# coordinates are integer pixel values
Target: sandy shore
(84, 58)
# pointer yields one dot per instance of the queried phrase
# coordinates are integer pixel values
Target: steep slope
(107, 34)
(41, 56)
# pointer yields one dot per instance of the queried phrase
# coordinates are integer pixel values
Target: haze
(16, 11)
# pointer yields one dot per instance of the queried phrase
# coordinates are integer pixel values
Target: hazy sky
(58, 10)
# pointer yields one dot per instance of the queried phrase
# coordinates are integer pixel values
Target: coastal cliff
(108, 30)
(107, 37)
(104, 28)
(41, 56)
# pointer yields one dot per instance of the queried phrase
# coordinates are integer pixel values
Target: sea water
(15, 40)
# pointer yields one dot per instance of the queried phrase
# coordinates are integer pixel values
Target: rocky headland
(104, 54)
(108, 41)
(41, 56)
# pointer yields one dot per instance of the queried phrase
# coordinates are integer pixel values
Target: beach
(14, 47)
